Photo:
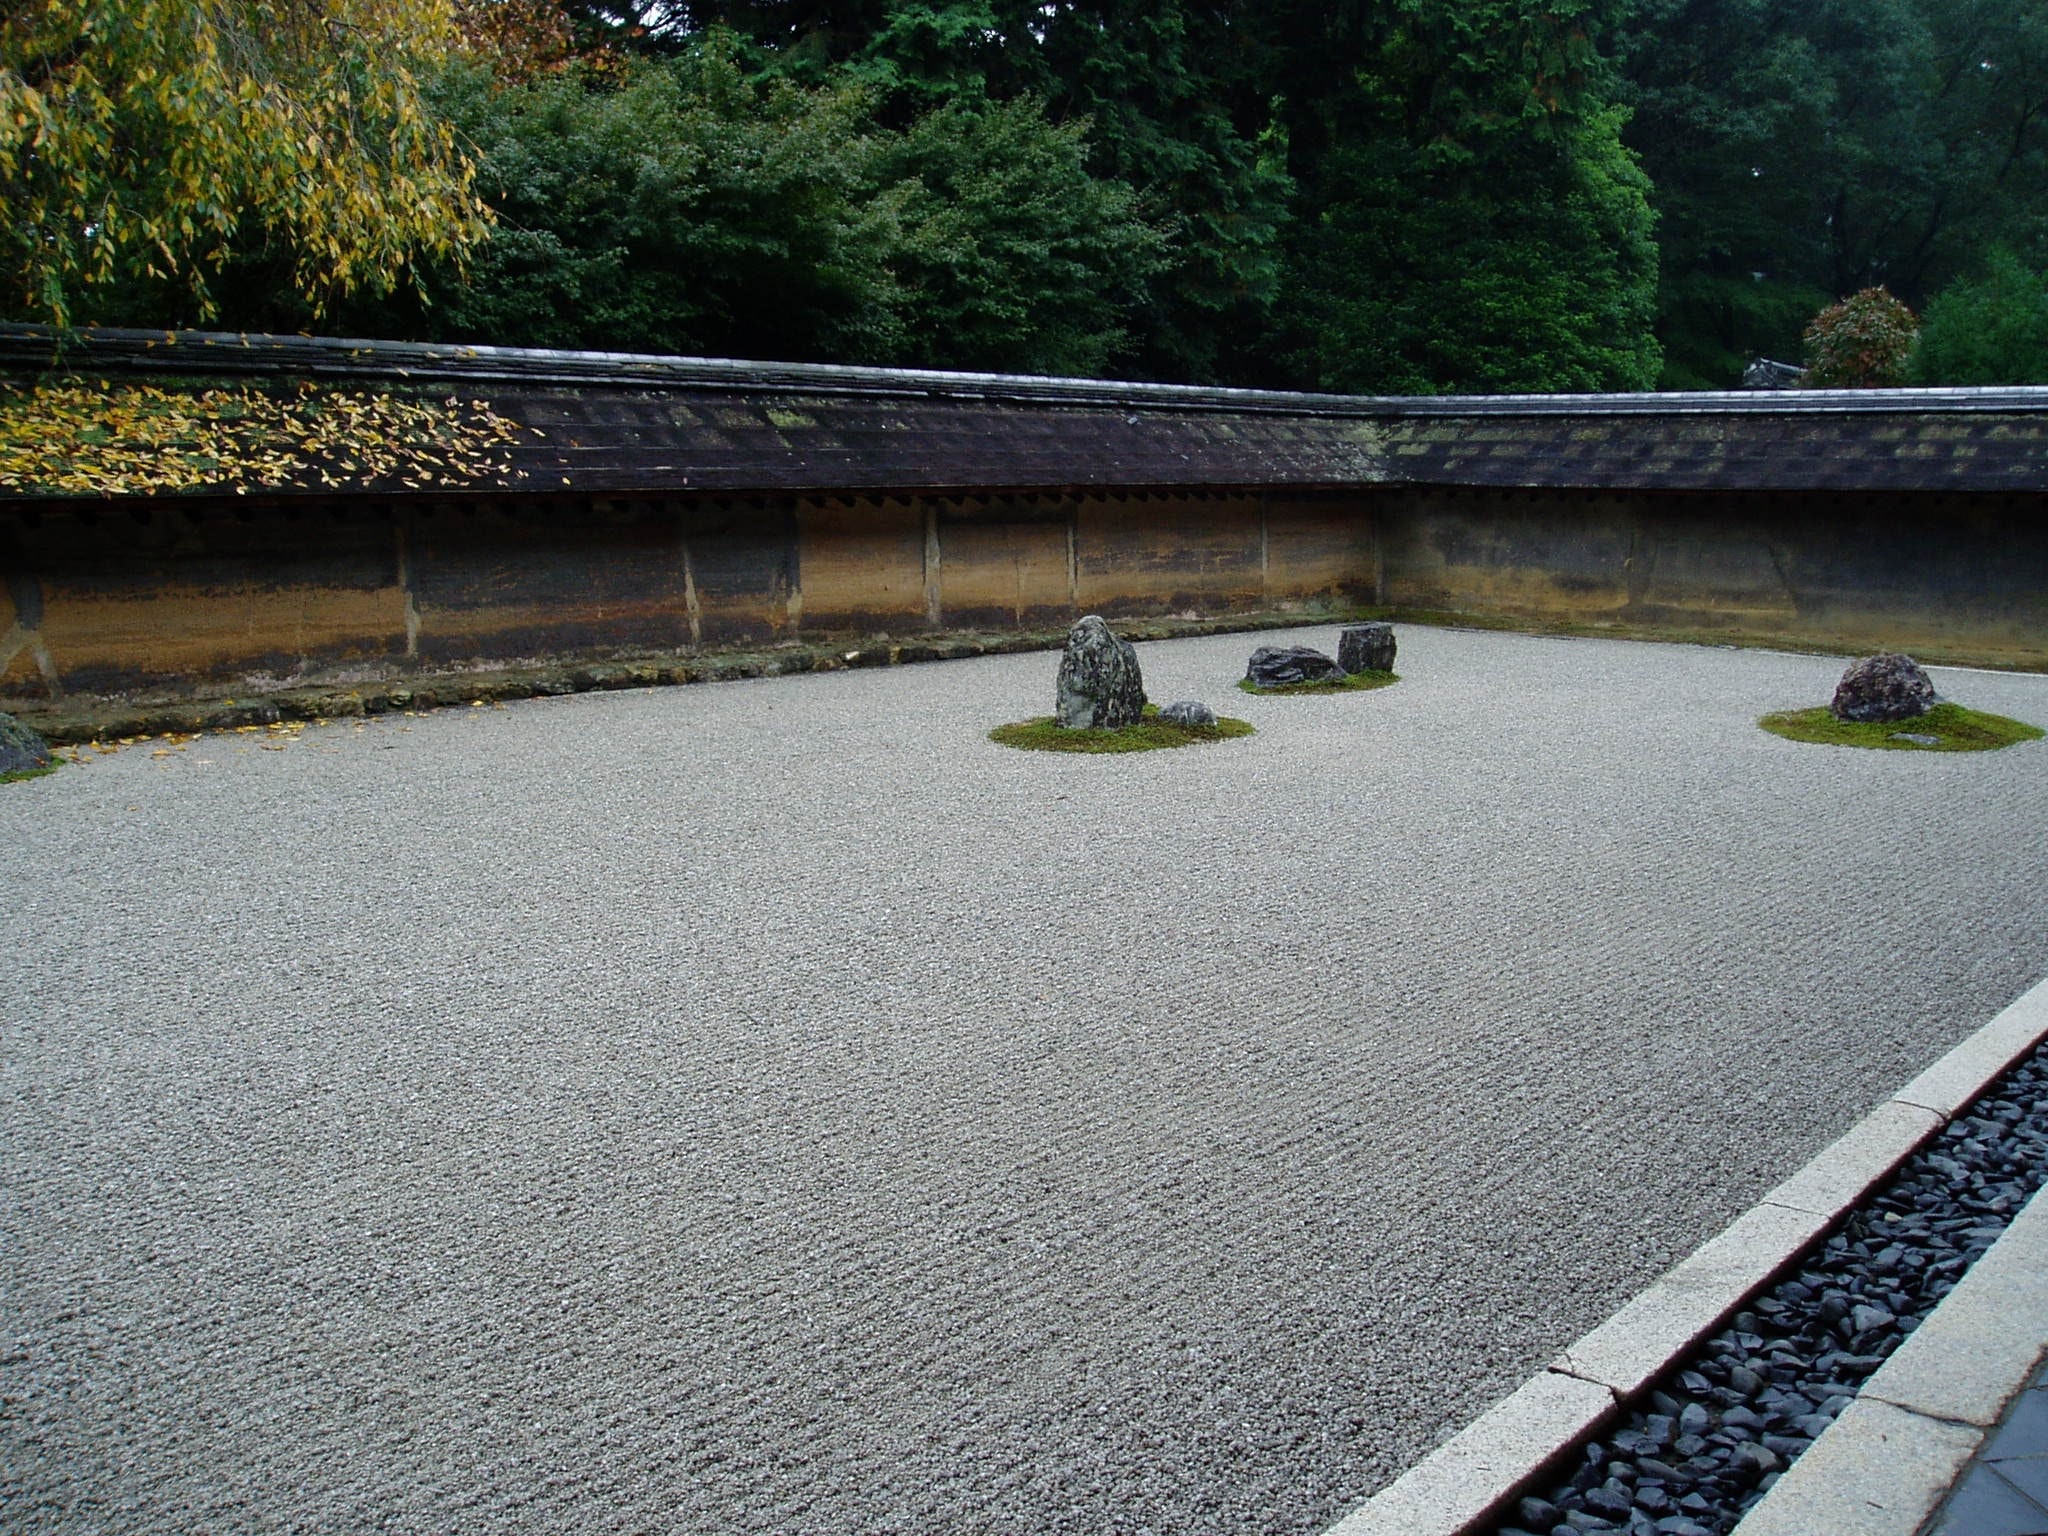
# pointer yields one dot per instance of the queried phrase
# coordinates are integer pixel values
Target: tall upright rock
(1100, 687)
(1366, 647)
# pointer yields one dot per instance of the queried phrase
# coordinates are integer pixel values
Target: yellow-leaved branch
(154, 138)
(138, 440)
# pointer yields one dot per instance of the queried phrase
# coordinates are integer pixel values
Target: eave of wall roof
(627, 424)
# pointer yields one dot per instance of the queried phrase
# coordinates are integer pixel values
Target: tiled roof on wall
(631, 425)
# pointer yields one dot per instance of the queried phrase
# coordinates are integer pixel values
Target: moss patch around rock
(1954, 729)
(1151, 734)
(1356, 682)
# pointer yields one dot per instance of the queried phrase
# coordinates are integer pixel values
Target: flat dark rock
(1275, 666)
(1100, 686)
(21, 749)
(1366, 647)
(1188, 712)
(1887, 686)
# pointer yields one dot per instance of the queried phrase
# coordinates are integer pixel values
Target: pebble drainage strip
(1715, 1433)
(1724, 1403)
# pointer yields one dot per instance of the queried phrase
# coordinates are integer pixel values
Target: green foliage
(687, 209)
(1864, 342)
(1806, 146)
(692, 207)
(1012, 256)
(143, 143)
(1351, 682)
(1181, 99)
(924, 56)
(1150, 734)
(1987, 330)
(1478, 224)
(1714, 324)
(1178, 105)
(1954, 729)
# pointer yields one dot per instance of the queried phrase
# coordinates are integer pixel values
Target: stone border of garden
(1471, 1478)
(1883, 1466)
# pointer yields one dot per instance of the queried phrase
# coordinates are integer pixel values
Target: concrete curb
(1475, 1474)
(1887, 1462)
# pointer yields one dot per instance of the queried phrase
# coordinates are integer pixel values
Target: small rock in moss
(21, 749)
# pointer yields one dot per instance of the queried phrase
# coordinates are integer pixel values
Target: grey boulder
(1100, 687)
(21, 749)
(1366, 647)
(1886, 686)
(1275, 666)
(1190, 713)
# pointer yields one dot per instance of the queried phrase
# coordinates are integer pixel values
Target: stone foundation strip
(1473, 1476)
(79, 720)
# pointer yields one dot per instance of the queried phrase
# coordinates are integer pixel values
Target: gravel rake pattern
(771, 1107)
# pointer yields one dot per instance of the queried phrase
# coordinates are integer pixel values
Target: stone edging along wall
(110, 604)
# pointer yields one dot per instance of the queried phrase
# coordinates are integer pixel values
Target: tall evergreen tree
(1180, 99)
(1471, 219)
(1803, 150)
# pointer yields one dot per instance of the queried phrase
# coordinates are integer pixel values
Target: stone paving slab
(771, 1107)
(1464, 1480)
(2004, 1492)
(1877, 1472)
(1968, 1070)
(1652, 1329)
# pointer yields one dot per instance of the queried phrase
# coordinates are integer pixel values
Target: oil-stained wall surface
(1962, 577)
(191, 594)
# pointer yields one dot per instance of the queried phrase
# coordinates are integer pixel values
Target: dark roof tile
(657, 424)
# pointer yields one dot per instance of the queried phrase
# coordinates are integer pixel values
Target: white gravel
(770, 1107)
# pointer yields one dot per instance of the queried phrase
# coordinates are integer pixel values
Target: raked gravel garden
(772, 1106)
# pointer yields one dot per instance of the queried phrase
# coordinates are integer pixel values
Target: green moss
(1955, 728)
(51, 766)
(1151, 734)
(1356, 682)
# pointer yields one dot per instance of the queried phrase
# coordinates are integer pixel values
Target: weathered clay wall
(1956, 577)
(194, 595)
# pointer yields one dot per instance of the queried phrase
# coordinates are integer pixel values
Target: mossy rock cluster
(1354, 682)
(1148, 734)
(23, 754)
(1944, 728)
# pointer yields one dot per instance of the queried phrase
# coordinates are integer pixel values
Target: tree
(682, 208)
(1802, 148)
(1864, 342)
(1474, 221)
(147, 142)
(1013, 256)
(1181, 105)
(1991, 329)
(682, 205)
(1177, 110)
